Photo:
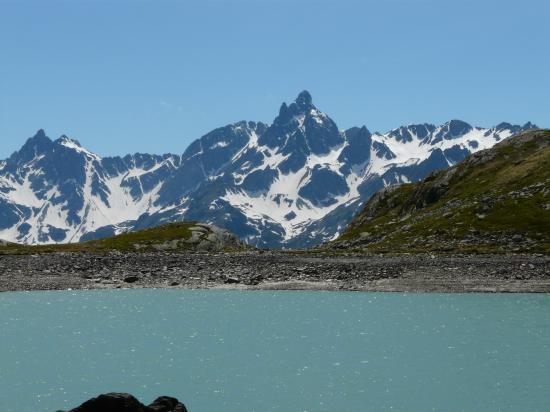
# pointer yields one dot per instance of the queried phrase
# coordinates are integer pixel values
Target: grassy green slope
(179, 237)
(496, 200)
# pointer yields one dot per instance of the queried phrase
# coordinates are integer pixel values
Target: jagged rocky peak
(352, 132)
(34, 145)
(41, 145)
(503, 126)
(39, 135)
(357, 152)
(304, 99)
(67, 143)
(412, 131)
(64, 140)
(505, 129)
(455, 128)
(514, 128)
(230, 137)
(301, 106)
(301, 129)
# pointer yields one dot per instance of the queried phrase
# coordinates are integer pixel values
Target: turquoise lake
(282, 351)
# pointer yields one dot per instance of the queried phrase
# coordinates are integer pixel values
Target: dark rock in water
(167, 404)
(124, 402)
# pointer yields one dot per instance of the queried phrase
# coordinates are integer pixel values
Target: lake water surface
(230, 351)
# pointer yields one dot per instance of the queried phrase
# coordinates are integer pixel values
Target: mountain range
(296, 182)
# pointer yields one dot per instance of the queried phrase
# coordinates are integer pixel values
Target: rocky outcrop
(210, 238)
(124, 402)
(203, 238)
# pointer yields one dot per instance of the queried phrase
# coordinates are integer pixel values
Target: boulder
(131, 279)
(124, 402)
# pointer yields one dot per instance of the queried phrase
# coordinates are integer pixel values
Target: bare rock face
(218, 239)
(124, 402)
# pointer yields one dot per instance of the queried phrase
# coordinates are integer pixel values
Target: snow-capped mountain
(57, 191)
(294, 183)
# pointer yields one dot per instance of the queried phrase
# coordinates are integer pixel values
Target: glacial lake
(239, 351)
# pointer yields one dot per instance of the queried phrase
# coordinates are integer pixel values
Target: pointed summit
(301, 106)
(74, 145)
(67, 141)
(283, 111)
(299, 130)
(304, 99)
(37, 144)
(451, 130)
(39, 139)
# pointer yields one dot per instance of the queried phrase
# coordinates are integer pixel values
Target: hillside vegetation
(496, 200)
(176, 237)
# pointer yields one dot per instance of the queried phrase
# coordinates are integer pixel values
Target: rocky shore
(276, 270)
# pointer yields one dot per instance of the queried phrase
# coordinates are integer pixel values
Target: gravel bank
(275, 270)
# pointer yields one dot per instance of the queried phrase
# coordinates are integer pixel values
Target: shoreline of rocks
(272, 270)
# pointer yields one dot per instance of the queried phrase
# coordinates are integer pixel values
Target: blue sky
(151, 76)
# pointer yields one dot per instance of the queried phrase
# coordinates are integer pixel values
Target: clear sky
(151, 76)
